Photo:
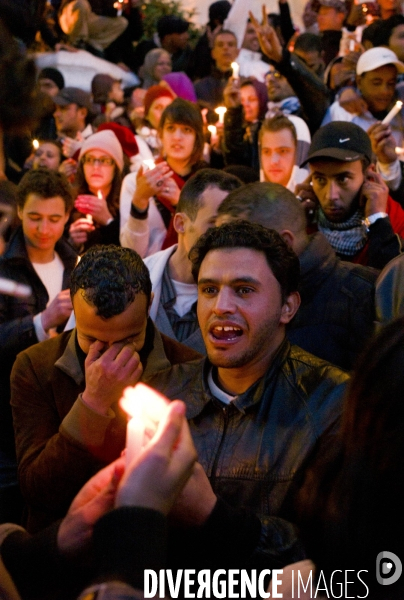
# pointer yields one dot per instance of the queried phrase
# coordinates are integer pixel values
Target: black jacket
(313, 94)
(337, 313)
(17, 331)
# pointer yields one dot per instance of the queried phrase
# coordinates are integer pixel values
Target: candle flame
(212, 129)
(220, 110)
(35, 144)
(143, 400)
(99, 194)
(149, 162)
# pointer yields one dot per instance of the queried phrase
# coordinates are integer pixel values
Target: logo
(344, 140)
(388, 568)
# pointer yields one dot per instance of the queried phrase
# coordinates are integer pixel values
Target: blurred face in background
(278, 151)
(163, 66)
(48, 155)
(250, 103)
(156, 110)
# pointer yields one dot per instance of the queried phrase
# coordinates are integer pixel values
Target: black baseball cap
(341, 141)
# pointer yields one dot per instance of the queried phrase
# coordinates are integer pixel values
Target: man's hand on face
(383, 143)
(108, 371)
(374, 193)
(305, 194)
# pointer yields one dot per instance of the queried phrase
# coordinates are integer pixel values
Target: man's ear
(290, 307)
(150, 303)
(288, 236)
(179, 222)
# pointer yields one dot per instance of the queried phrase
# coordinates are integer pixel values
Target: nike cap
(378, 57)
(340, 140)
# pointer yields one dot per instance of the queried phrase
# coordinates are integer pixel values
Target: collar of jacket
(202, 396)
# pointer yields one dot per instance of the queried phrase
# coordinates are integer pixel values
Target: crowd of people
(230, 232)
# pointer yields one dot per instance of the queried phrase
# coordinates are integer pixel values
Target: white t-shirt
(51, 275)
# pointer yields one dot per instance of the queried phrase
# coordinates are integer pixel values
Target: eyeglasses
(104, 161)
(275, 74)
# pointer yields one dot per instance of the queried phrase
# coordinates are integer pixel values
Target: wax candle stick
(236, 70)
(394, 111)
(146, 408)
(220, 110)
(149, 162)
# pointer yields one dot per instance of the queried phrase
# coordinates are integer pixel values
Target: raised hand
(269, 41)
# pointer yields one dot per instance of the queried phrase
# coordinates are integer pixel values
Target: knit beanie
(54, 75)
(154, 92)
(106, 141)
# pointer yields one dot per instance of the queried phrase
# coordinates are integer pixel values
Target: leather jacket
(254, 449)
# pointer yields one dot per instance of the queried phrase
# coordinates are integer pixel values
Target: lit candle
(146, 408)
(212, 129)
(12, 288)
(35, 144)
(351, 45)
(399, 150)
(394, 111)
(149, 163)
(220, 110)
(236, 70)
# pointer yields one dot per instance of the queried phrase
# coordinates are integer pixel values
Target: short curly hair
(281, 259)
(110, 277)
(45, 184)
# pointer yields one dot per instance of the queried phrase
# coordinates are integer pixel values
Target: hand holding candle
(146, 409)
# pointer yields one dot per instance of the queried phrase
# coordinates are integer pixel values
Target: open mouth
(226, 332)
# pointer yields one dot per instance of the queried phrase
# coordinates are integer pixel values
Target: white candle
(149, 163)
(351, 45)
(220, 110)
(212, 129)
(146, 408)
(236, 70)
(12, 288)
(394, 111)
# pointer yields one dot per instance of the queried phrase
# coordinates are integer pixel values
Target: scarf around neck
(347, 238)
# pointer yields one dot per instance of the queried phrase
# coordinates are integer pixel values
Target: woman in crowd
(155, 101)
(246, 106)
(48, 155)
(157, 63)
(149, 197)
(98, 184)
